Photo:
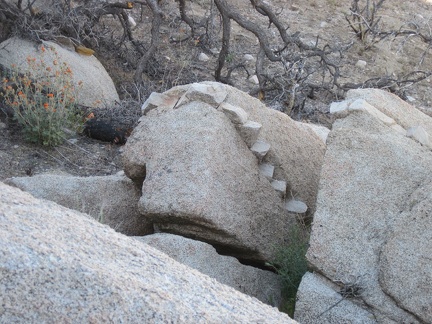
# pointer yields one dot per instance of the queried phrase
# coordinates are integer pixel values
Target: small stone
(361, 64)
(248, 57)
(279, 186)
(267, 170)
(236, 114)
(419, 134)
(73, 140)
(157, 99)
(211, 93)
(363, 105)
(309, 42)
(215, 51)
(294, 7)
(3, 126)
(132, 22)
(253, 79)
(323, 24)
(249, 131)
(410, 99)
(340, 108)
(260, 149)
(296, 206)
(203, 57)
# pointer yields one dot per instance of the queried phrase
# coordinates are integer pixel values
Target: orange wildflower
(50, 95)
(48, 69)
(43, 48)
(55, 62)
(46, 105)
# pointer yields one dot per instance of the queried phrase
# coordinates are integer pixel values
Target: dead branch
(299, 68)
(155, 39)
(397, 86)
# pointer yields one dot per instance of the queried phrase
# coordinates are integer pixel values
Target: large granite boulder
(296, 149)
(58, 265)
(112, 200)
(203, 182)
(371, 230)
(95, 87)
(217, 165)
(261, 284)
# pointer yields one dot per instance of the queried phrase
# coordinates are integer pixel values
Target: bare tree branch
(155, 39)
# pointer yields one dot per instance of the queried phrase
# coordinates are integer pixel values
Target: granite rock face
(58, 265)
(394, 107)
(203, 182)
(261, 284)
(372, 224)
(318, 301)
(112, 200)
(405, 271)
(217, 165)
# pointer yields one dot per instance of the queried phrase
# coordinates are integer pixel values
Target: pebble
(410, 99)
(361, 64)
(73, 140)
(248, 57)
(253, 79)
(296, 206)
(203, 57)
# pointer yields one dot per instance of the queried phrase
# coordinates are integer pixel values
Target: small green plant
(43, 99)
(230, 58)
(291, 264)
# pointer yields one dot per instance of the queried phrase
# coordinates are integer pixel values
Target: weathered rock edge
(112, 200)
(266, 286)
(58, 265)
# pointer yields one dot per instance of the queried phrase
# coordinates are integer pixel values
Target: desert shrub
(42, 99)
(291, 264)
